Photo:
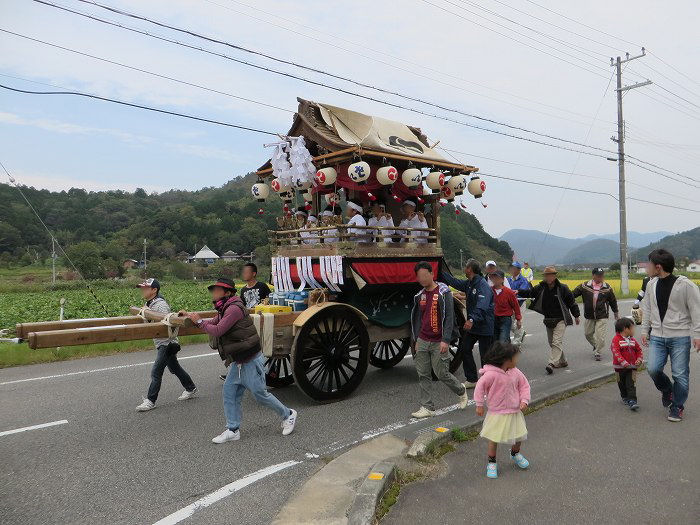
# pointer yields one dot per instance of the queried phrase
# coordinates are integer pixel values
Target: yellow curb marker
(375, 475)
(441, 429)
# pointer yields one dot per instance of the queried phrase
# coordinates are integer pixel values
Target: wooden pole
(23, 329)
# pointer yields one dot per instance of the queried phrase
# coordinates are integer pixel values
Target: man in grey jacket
(671, 308)
(432, 330)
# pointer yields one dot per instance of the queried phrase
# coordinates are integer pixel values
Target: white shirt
(306, 234)
(378, 223)
(389, 223)
(358, 234)
(415, 222)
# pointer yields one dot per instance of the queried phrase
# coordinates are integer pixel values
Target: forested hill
(224, 218)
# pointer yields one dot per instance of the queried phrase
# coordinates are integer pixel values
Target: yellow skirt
(504, 428)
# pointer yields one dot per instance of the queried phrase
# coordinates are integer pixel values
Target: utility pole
(53, 260)
(624, 262)
(461, 262)
(144, 258)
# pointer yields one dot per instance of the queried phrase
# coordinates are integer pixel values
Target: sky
(513, 61)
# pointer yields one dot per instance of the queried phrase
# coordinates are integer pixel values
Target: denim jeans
(678, 349)
(250, 376)
(466, 347)
(162, 361)
(501, 328)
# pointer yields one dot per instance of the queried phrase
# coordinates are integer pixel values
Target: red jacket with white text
(626, 352)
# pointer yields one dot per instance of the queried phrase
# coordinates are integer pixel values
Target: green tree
(87, 257)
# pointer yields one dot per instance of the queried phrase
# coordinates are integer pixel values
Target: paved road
(110, 464)
(592, 461)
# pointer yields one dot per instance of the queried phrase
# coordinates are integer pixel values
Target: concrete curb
(380, 476)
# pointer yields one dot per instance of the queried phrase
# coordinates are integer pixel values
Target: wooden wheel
(391, 352)
(278, 371)
(330, 353)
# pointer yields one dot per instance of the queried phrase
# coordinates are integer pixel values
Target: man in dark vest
(233, 334)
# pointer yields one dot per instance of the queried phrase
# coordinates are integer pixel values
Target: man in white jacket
(356, 220)
(671, 308)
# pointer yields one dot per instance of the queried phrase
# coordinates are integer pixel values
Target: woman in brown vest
(233, 334)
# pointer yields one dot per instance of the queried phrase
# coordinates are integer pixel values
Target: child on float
(507, 393)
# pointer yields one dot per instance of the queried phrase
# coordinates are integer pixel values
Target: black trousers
(626, 381)
(166, 359)
(466, 347)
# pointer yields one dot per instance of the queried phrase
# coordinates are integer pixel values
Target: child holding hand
(507, 394)
(627, 357)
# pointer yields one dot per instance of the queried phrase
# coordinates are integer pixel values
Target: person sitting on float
(356, 221)
(310, 237)
(380, 219)
(412, 219)
(327, 218)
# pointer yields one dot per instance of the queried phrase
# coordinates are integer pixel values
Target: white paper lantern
(447, 194)
(326, 176)
(476, 187)
(387, 175)
(458, 183)
(411, 177)
(260, 191)
(278, 186)
(435, 180)
(301, 184)
(359, 172)
(287, 196)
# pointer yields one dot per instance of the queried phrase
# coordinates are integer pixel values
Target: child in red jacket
(627, 356)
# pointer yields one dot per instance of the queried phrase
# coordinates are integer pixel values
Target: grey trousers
(428, 358)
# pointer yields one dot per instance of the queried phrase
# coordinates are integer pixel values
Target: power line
(327, 86)
(660, 173)
(657, 57)
(139, 106)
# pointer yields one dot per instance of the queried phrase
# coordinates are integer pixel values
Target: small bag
(173, 348)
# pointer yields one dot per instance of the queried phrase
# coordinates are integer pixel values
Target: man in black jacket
(598, 299)
(556, 303)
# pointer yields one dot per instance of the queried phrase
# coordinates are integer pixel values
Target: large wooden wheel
(278, 371)
(330, 353)
(389, 353)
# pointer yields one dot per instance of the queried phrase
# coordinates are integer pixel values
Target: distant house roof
(205, 253)
(229, 253)
(131, 260)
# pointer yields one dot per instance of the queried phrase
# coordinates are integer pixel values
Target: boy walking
(627, 357)
(166, 349)
(432, 330)
(506, 307)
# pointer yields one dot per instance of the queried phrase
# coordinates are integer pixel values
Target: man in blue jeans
(671, 309)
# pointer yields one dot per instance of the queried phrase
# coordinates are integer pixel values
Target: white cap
(491, 263)
(409, 202)
(326, 213)
(300, 212)
(354, 206)
(312, 218)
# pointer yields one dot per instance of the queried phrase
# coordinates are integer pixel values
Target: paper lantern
(260, 191)
(359, 172)
(301, 184)
(326, 176)
(447, 194)
(476, 187)
(411, 177)
(387, 175)
(279, 187)
(287, 196)
(458, 183)
(332, 198)
(435, 180)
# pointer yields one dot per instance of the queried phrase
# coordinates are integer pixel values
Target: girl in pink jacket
(507, 395)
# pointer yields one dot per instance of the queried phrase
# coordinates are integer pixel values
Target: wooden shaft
(175, 320)
(22, 329)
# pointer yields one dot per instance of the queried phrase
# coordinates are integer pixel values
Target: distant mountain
(684, 244)
(597, 251)
(539, 248)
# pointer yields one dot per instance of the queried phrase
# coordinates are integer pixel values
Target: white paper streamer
(312, 280)
(301, 270)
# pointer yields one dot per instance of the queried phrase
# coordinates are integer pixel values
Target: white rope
(172, 329)
(141, 313)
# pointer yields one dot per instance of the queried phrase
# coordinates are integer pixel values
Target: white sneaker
(289, 423)
(469, 384)
(187, 394)
(464, 399)
(146, 405)
(227, 435)
(423, 412)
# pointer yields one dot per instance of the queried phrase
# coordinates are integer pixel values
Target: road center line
(33, 427)
(120, 367)
(226, 490)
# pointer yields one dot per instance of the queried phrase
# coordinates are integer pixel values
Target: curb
(363, 508)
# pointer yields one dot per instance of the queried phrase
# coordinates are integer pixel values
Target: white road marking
(226, 490)
(33, 427)
(120, 367)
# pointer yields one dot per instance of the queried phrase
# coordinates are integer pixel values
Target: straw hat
(550, 270)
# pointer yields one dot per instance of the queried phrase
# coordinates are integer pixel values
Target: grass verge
(21, 354)
(391, 496)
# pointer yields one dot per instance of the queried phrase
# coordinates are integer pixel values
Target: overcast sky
(436, 50)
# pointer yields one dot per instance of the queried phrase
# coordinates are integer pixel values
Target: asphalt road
(109, 464)
(592, 460)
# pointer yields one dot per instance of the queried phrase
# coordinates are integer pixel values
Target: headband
(409, 202)
(311, 218)
(355, 207)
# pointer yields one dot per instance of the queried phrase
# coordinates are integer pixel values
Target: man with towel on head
(355, 220)
(380, 219)
(412, 219)
(330, 235)
(310, 237)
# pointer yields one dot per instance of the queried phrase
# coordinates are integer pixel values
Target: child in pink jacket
(507, 395)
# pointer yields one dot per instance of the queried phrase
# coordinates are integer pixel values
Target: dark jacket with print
(446, 312)
(565, 298)
(606, 300)
(479, 301)
(241, 341)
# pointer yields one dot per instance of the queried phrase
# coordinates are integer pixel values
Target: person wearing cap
(506, 307)
(555, 302)
(598, 299)
(528, 273)
(166, 351)
(300, 216)
(355, 221)
(491, 267)
(327, 218)
(310, 237)
(412, 219)
(517, 281)
(379, 219)
(234, 335)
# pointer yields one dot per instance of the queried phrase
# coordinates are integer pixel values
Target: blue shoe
(625, 401)
(632, 404)
(491, 470)
(520, 460)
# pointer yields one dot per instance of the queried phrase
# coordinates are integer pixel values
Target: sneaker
(222, 377)
(564, 364)
(666, 398)
(289, 423)
(227, 435)
(469, 384)
(625, 401)
(464, 399)
(632, 403)
(423, 412)
(492, 470)
(549, 369)
(187, 394)
(146, 405)
(675, 414)
(520, 460)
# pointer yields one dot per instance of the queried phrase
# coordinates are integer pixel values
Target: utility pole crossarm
(633, 86)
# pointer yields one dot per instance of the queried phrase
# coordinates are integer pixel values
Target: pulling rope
(172, 329)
